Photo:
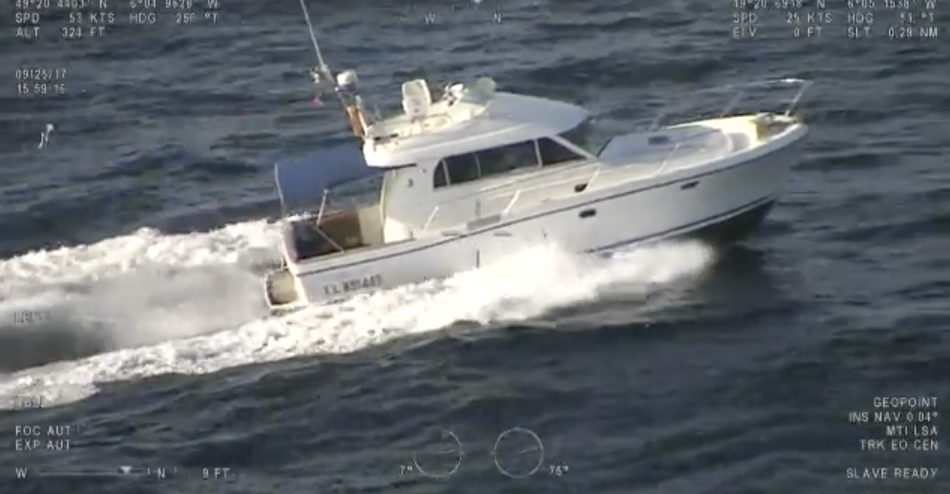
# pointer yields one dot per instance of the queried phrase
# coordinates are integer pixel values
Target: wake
(147, 304)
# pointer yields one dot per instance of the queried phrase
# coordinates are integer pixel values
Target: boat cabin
(427, 168)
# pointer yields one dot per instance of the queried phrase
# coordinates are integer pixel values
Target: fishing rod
(323, 67)
(344, 84)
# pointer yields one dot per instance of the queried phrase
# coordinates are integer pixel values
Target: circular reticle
(518, 453)
(441, 457)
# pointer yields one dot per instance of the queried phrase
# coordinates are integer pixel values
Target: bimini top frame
(302, 183)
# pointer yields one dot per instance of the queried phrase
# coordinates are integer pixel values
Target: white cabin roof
(467, 124)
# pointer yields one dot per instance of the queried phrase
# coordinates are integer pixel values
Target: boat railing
(517, 195)
(492, 192)
(736, 94)
(668, 158)
(495, 202)
(481, 207)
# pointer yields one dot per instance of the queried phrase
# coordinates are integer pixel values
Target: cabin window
(553, 152)
(460, 169)
(504, 159)
(578, 135)
(441, 177)
(587, 137)
(482, 164)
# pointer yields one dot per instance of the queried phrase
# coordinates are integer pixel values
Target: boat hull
(734, 229)
(719, 204)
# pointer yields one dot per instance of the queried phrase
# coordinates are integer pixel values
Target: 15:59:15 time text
(40, 88)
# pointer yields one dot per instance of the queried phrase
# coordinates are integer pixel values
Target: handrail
(431, 217)
(666, 159)
(480, 197)
(481, 193)
(741, 89)
(511, 203)
(679, 143)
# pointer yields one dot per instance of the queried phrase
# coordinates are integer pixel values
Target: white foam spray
(141, 288)
(190, 303)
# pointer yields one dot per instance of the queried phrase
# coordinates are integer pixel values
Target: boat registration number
(354, 285)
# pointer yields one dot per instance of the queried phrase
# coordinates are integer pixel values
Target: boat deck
(679, 147)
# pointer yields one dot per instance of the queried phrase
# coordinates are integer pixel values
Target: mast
(344, 84)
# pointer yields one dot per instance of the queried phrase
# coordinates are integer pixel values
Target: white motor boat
(454, 183)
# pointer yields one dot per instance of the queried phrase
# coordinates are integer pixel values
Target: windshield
(587, 136)
(353, 194)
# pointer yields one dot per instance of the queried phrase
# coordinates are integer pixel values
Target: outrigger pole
(344, 84)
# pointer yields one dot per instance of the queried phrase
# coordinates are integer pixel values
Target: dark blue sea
(134, 233)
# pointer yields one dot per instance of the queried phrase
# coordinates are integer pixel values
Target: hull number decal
(355, 285)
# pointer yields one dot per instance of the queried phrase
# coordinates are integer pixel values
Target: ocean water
(134, 238)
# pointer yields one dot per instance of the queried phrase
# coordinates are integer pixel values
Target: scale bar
(134, 472)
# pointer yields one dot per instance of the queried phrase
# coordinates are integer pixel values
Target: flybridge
(460, 102)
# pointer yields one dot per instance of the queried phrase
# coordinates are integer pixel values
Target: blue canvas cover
(302, 181)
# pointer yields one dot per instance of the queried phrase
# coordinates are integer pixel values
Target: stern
(282, 292)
